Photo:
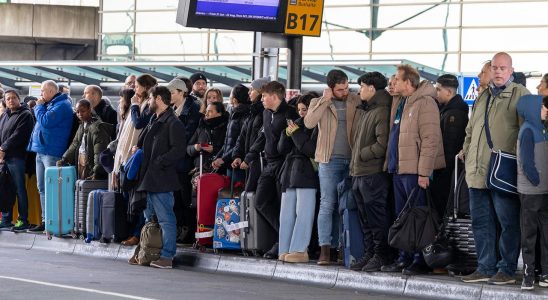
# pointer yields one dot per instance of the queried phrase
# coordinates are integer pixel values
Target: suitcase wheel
(202, 248)
(217, 251)
(48, 235)
(245, 253)
(255, 253)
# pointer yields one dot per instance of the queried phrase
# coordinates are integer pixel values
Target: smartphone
(205, 144)
(289, 121)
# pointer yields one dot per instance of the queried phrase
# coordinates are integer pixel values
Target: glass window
(231, 42)
(423, 40)
(429, 15)
(508, 39)
(157, 4)
(507, 14)
(173, 44)
(118, 5)
(348, 17)
(157, 21)
(118, 22)
(431, 60)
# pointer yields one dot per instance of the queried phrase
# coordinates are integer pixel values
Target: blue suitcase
(93, 215)
(59, 191)
(227, 229)
(351, 230)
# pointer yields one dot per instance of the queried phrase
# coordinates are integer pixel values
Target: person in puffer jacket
(299, 182)
(532, 158)
(239, 99)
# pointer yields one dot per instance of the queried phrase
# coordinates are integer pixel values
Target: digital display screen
(240, 9)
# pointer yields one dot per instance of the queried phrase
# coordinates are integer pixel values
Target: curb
(435, 287)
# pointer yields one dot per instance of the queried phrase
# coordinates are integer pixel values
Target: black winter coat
(297, 170)
(15, 131)
(107, 114)
(211, 131)
(163, 143)
(453, 121)
(249, 133)
(274, 122)
(235, 123)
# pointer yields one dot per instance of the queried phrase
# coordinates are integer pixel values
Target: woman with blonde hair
(211, 95)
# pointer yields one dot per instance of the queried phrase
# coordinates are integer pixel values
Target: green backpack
(150, 244)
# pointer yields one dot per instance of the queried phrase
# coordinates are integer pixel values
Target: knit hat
(241, 93)
(177, 84)
(258, 83)
(197, 76)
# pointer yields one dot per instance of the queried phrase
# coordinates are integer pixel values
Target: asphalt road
(34, 274)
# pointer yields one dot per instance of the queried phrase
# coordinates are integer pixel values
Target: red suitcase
(207, 192)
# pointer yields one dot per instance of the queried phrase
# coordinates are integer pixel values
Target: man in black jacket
(268, 192)
(101, 107)
(163, 143)
(16, 126)
(453, 121)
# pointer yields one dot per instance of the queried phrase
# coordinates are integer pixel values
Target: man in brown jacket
(415, 150)
(333, 113)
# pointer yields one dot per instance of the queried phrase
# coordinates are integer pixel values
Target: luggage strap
(235, 226)
(206, 234)
(60, 199)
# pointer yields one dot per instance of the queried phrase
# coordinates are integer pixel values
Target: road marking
(76, 288)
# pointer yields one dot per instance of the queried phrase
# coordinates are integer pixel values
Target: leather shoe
(132, 241)
(416, 269)
(272, 253)
(397, 266)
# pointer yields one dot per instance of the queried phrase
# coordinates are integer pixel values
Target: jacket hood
(456, 103)
(529, 107)
(425, 89)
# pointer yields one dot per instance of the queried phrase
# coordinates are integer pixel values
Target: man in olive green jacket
(486, 205)
(90, 140)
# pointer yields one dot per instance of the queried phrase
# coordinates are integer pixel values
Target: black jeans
(268, 194)
(440, 188)
(371, 193)
(534, 216)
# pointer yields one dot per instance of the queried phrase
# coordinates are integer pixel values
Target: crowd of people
(396, 139)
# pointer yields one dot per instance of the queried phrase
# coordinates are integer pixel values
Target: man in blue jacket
(51, 133)
(15, 129)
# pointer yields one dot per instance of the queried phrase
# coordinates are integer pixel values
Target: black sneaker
(543, 280)
(20, 226)
(37, 229)
(374, 264)
(272, 253)
(6, 226)
(360, 263)
(528, 283)
(415, 268)
(501, 278)
(398, 266)
(477, 276)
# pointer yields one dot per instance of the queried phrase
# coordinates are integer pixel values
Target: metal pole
(294, 62)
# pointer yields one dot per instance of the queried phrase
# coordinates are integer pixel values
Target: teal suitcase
(59, 215)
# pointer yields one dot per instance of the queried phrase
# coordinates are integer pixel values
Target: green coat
(97, 140)
(504, 126)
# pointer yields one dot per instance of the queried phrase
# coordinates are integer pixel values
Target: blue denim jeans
(16, 167)
(161, 205)
(42, 162)
(486, 207)
(296, 219)
(331, 173)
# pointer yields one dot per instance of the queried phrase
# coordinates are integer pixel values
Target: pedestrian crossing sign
(469, 89)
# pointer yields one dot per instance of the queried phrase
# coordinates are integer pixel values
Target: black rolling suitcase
(459, 226)
(81, 192)
(114, 225)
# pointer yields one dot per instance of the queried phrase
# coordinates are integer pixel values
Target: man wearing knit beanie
(199, 85)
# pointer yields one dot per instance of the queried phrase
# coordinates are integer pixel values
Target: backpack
(150, 244)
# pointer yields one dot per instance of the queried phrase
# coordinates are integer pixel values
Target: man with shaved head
(102, 109)
(50, 135)
(497, 103)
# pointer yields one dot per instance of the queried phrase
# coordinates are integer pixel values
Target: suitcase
(352, 236)
(458, 228)
(114, 225)
(83, 188)
(258, 237)
(59, 192)
(93, 215)
(227, 224)
(206, 196)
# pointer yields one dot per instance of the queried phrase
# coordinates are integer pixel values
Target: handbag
(416, 226)
(503, 168)
(7, 189)
(439, 254)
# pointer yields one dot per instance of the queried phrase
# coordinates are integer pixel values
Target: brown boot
(325, 255)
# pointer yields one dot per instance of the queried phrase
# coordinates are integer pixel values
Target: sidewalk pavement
(431, 286)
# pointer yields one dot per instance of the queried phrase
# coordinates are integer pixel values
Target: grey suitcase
(258, 237)
(81, 192)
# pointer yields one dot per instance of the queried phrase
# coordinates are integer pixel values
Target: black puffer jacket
(274, 123)
(297, 170)
(211, 131)
(249, 133)
(235, 123)
(453, 121)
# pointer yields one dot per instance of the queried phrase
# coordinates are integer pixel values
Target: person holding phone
(333, 113)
